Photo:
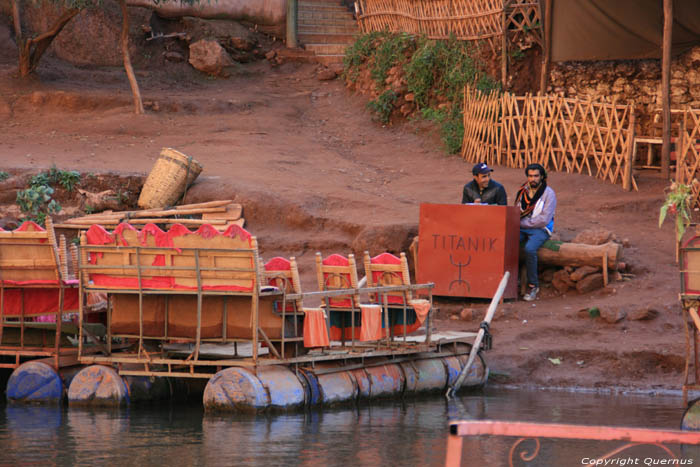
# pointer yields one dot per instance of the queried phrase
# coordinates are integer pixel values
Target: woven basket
(172, 173)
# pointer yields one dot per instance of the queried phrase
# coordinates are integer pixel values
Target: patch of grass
(357, 54)
(4, 175)
(390, 52)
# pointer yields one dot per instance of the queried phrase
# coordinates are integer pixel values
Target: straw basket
(172, 173)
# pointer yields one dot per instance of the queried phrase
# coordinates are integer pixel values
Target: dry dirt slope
(314, 173)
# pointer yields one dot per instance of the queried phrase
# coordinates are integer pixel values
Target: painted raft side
(98, 385)
(35, 382)
(283, 387)
(235, 389)
(277, 387)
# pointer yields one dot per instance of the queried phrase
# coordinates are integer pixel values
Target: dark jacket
(494, 193)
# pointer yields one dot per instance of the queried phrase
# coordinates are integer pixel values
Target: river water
(395, 433)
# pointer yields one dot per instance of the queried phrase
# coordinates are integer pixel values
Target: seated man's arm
(466, 195)
(540, 218)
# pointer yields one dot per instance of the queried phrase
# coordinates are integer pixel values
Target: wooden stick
(86, 225)
(452, 390)
(140, 214)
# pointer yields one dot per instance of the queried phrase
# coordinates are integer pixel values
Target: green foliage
(357, 54)
(677, 203)
(390, 51)
(517, 54)
(36, 203)
(68, 179)
(383, 105)
(4, 175)
(435, 72)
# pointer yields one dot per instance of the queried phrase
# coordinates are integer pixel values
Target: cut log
(578, 254)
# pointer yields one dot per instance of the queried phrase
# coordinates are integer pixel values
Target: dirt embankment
(314, 173)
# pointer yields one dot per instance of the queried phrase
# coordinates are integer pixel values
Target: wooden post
(124, 42)
(547, 52)
(291, 24)
(666, 88)
(629, 157)
(504, 45)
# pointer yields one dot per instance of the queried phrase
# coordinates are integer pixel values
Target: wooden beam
(666, 88)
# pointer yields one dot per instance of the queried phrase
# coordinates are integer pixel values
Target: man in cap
(483, 190)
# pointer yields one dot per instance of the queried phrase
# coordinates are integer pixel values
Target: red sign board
(466, 249)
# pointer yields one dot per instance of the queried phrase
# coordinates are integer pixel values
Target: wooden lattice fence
(562, 134)
(688, 156)
(437, 19)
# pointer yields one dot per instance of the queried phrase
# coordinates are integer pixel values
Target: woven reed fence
(437, 19)
(562, 134)
(688, 163)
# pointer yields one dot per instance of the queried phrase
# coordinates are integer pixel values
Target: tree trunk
(31, 50)
(138, 104)
(666, 89)
(579, 254)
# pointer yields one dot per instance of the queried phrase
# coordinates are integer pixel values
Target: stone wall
(631, 80)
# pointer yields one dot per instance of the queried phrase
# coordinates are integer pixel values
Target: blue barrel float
(99, 385)
(36, 382)
(328, 384)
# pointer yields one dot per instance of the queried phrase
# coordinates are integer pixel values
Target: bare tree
(31, 48)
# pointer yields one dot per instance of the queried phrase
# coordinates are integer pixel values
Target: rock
(270, 55)
(612, 315)
(467, 314)
(326, 74)
(593, 237)
(562, 282)
(406, 109)
(590, 283)
(175, 57)
(617, 276)
(392, 237)
(454, 317)
(582, 272)
(548, 275)
(643, 314)
(241, 43)
(410, 97)
(209, 57)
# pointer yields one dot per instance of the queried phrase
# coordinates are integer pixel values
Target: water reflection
(411, 432)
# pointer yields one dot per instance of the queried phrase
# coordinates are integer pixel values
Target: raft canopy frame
(196, 356)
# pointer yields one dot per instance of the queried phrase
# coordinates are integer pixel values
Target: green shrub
(36, 203)
(4, 175)
(383, 105)
(357, 54)
(389, 52)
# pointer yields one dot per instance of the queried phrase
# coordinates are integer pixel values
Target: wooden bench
(180, 285)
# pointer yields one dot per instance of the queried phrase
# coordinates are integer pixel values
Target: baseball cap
(481, 168)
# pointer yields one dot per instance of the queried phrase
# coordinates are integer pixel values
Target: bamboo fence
(437, 19)
(688, 163)
(470, 20)
(562, 134)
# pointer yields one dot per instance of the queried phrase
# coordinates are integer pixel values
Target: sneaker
(531, 294)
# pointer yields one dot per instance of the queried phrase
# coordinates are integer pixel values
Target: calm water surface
(411, 432)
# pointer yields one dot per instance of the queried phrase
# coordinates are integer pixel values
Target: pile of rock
(586, 278)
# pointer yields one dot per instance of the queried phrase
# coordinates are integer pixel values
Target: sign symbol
(459, 281)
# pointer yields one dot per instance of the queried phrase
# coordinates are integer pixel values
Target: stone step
(322, 7)
(327, 22)
(327, 30)
(327, 49)
(324, 16)
(330, 59)
(328, 38)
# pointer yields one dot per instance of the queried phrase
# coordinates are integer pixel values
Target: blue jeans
(533, 238)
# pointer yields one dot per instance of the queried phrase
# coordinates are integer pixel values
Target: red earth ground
(314, 173)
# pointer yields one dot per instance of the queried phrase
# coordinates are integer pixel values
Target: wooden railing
(688, 155)
(563, 134)
(632, 437)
